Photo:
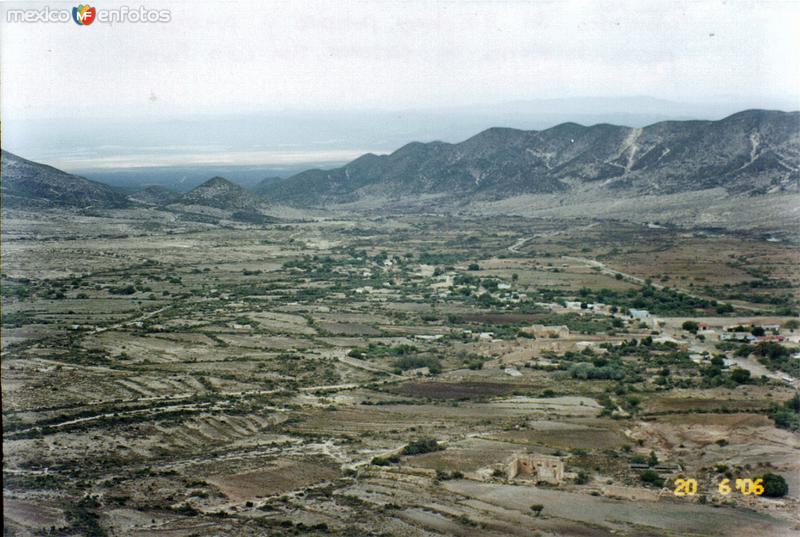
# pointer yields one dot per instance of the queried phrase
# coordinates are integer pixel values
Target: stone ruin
(531, 467)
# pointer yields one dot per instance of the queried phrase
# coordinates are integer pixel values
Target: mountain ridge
(752, 151)
(25, 183)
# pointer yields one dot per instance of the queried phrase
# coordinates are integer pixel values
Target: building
(640, 314)
(771, 337)
(532, 467)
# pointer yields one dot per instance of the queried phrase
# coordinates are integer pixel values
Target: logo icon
(84, 15)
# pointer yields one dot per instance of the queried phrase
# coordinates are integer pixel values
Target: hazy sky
(308, 83)
(220, 57)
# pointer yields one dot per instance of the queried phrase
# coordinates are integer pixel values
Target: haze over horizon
(276, 88)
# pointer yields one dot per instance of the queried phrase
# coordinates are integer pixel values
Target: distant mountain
(154, 195)
(220, 193)
(25, 183)
(752, 152)
(266, 183)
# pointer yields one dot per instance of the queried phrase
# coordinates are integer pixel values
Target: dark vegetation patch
(453, 390)
(498, 318)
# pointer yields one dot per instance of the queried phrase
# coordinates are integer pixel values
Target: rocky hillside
(154, 195)
(751, 152)
(26, 183)
(220, 193)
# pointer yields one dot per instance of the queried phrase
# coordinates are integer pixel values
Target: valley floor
(380, 375)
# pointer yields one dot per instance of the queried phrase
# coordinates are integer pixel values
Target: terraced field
(279, 379)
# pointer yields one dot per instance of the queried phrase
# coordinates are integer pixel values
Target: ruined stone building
(536, 468)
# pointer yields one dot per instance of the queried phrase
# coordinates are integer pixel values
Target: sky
(244, 58)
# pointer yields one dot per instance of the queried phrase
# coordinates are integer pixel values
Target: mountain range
(754, 152)
(748, 159)
(29, 184)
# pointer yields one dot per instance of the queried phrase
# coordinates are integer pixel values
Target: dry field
(170, 377)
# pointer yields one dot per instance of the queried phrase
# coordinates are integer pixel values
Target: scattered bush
(582, 478)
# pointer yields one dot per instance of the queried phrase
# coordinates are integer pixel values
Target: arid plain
(394, 375)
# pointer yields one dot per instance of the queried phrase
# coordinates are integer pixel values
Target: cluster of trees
(123, 290)
(661, 301)
(422, 445)
(378, 350)
(415, 362)
(787, 415)
(715, 374)
(786, 304)
(19, 289)
(773, 355)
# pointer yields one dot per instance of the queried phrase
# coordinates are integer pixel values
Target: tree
(793, 403)
(690, 326)
(653, 459)
(537, 508)
(757, 331)
(740, 376)
(724, 308)
(775, 485)
(792, 324)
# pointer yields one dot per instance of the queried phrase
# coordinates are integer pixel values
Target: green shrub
(651, 477)
(740, 376)
(775, 485)
(690, 326)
